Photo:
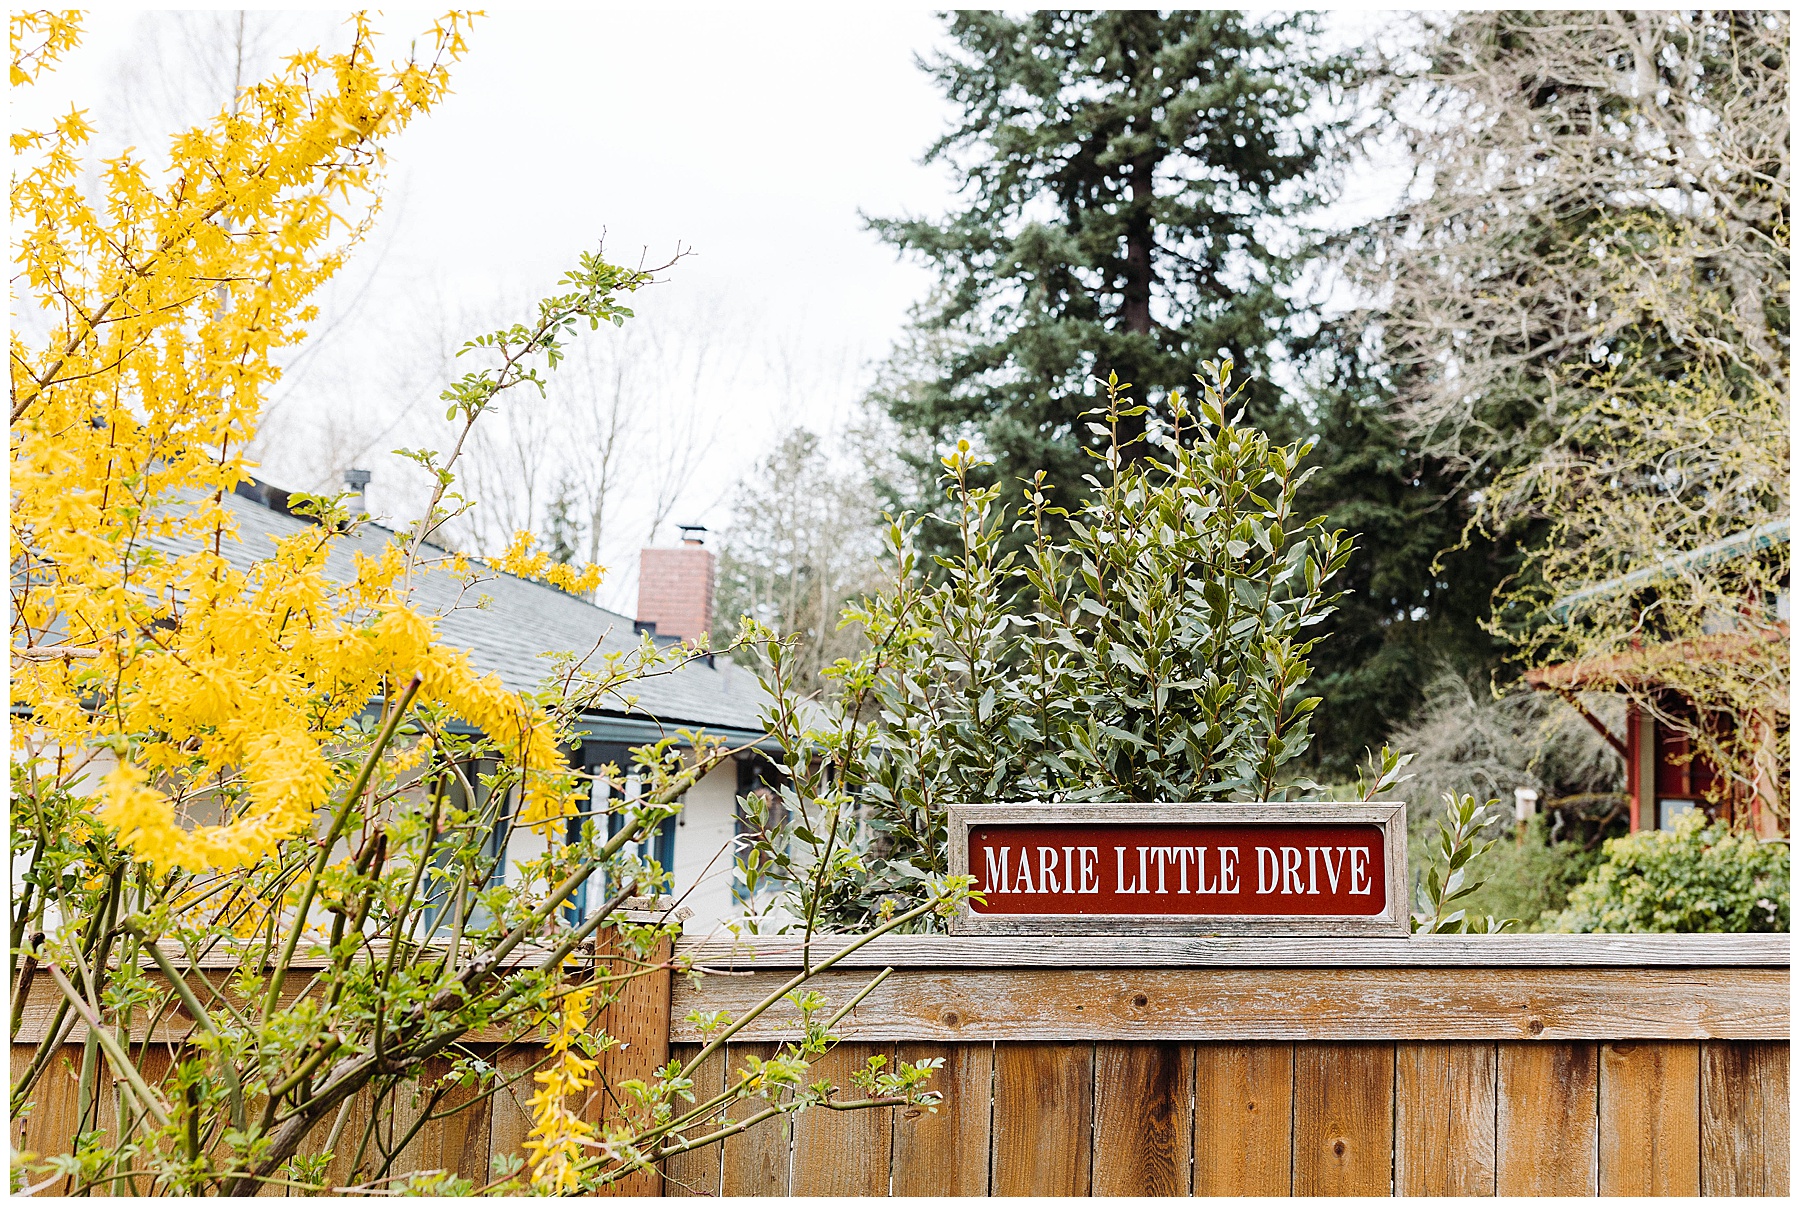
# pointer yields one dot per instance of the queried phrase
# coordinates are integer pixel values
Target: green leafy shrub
(1447, 875)
(1158, 652)
(1526, 874)
(1696, 877)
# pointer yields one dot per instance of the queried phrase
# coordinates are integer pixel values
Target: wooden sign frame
(1393, 921)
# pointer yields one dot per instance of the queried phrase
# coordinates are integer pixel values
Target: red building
(1665, 777)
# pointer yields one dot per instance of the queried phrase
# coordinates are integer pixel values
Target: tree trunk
(1136, 291)
(1140, 241)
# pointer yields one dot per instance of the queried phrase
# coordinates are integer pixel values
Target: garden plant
(1699, 876)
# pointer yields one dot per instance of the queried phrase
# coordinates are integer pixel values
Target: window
(610, 808)
(1669, 808)
(440, 907)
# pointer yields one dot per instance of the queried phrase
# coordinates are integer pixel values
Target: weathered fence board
(821, 1136)
(757, 1161)
(1243, 1119)
(1043, 1119)
(1444, 1118)
(509, 1118)
(1343, 1137)
(697, 1172)
(52, 1116)
(1744, 1138)
(1210, 951)
(1340, 1004)
(638, 1016)
(464, 1142)
(947, 1151)
(1143, 1119)
(1650, 1118)
(1545, 1120)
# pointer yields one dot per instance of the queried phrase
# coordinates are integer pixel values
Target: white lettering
(1123, 887)
(1359, 870)
(1228, 873)
(1161, 856)
(1184, 855)
(1047, 881)
(996, 869)
(1290, 871)
(1200, 872)
(1332, 869)
(1268, 870)
(1090, 869)
(1023, 883)
(1312, 870)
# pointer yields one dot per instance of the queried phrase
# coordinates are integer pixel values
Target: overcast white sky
(751, 137)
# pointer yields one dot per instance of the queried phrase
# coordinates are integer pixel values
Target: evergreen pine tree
(1122, 174)
(562, 524)
(1416, 589)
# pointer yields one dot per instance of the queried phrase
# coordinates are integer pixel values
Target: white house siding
(100, 764)
(704, 859)
(523, 845)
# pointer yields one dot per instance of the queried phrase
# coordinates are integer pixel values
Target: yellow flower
(172, 298)
(559, 1137)
(524, 560)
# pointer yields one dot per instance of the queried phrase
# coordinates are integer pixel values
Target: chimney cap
(692, 534)
(356, 479)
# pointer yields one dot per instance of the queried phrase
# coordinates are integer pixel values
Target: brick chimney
(675, 586)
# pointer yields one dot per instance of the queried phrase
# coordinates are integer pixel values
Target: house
(1665, 776)
(521, 621)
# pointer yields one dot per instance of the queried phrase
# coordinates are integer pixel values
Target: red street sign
(1202, 868)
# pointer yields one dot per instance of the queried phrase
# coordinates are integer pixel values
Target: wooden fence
(1524, 1064)
(1480, 1065)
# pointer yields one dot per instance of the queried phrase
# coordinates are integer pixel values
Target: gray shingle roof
(518, 624)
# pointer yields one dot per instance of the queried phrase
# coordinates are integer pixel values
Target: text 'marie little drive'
(1197, 868)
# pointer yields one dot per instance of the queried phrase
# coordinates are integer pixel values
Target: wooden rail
(1136, 951)
(1530, 1064)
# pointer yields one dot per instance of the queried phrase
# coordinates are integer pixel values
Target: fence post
(639, 1021)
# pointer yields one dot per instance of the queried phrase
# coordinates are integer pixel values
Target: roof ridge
(372, 522)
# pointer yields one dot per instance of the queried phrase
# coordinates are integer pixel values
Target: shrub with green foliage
(1696, 877)
(1448, 872)
(1527, 875)
(1158, 651)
